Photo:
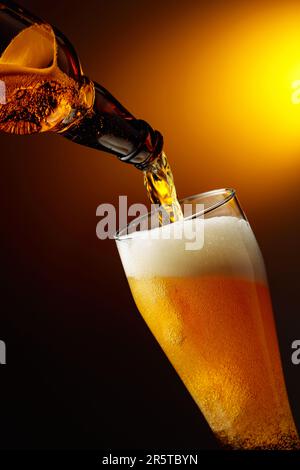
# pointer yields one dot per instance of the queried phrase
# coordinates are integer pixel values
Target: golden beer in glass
(210, 311)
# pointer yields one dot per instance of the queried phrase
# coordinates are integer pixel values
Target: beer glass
(210, 310)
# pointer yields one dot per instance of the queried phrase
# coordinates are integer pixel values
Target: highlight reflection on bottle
(210, 311)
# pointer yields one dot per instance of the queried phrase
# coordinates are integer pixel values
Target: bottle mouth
(147, 152)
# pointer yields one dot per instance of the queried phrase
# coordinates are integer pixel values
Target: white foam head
(229, 248)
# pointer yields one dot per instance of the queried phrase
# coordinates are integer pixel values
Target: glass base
(274, 442)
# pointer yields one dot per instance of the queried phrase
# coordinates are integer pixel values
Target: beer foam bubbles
(222, 245)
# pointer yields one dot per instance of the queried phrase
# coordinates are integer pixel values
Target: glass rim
(231, 192)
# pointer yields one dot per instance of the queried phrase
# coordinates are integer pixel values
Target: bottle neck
(109, 127)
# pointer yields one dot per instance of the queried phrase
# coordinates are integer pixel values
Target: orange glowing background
(222, 96)
(219, 80)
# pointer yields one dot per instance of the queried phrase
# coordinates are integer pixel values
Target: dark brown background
(215, 78)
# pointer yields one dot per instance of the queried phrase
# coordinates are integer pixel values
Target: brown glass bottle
(43, 88)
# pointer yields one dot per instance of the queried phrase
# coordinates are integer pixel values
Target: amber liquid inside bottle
(39, 96)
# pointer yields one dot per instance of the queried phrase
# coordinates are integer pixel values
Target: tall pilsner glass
(210, 310)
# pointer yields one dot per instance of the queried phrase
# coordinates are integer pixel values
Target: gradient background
(215, 78)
